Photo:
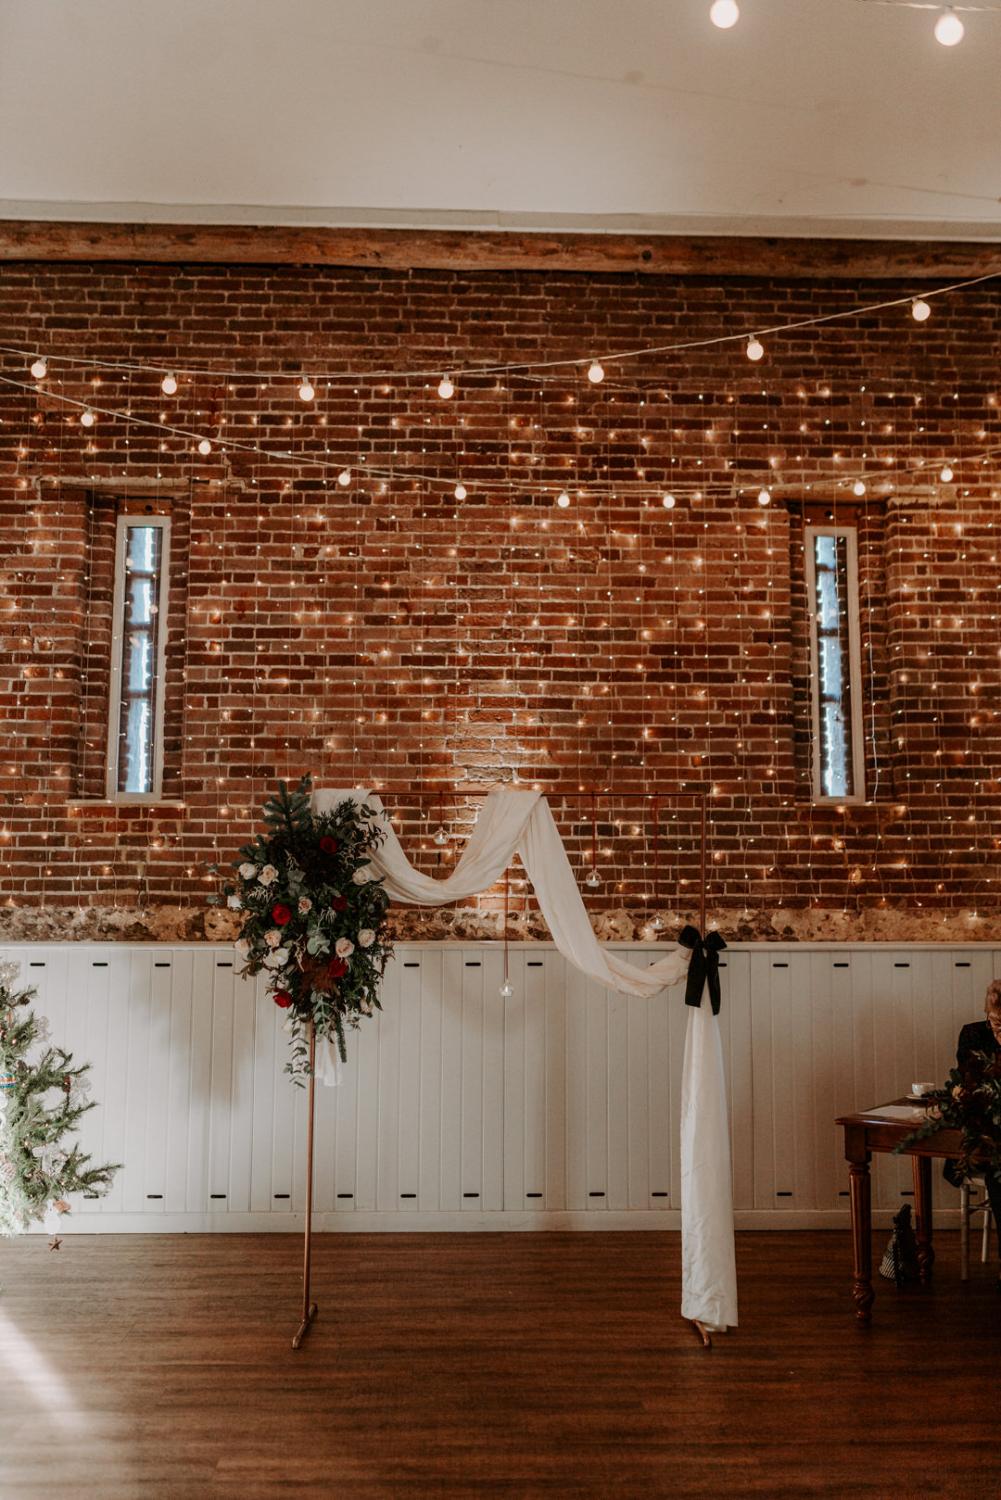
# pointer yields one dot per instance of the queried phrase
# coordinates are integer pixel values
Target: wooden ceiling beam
(494, 250)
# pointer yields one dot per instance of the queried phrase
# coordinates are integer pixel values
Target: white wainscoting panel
(459, 1110)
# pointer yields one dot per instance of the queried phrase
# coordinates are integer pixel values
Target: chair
(971, 1203)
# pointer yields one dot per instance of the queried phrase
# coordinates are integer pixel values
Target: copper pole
(702, 867)
(594, 834)
(309, 1309)
(507, 903)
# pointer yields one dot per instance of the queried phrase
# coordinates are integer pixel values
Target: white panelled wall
(459, 1110)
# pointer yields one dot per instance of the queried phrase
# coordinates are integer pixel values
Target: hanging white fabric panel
(515, 821)
(708, 1263)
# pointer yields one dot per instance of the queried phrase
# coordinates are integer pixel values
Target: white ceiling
(809, 117)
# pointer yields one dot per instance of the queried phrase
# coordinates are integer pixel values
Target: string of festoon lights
(592, 364)
(350, 469)
(358, 469)
(948, 30)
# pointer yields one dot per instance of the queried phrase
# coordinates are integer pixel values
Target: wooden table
(868, 1132)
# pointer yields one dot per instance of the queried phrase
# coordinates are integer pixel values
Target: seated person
(983, 1036)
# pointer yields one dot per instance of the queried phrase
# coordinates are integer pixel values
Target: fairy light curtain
(515, 821)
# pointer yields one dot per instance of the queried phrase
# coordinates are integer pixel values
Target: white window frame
(126, 520)
(857, 727)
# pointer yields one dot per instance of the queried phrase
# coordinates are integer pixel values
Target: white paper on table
(897, 1112)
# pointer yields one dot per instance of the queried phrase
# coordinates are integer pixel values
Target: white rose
(363, 875)
(305, 905)
(242, 947)
(273, 938)
(366, 937)
(248, 871)
(234, 903)
(268, 875)
(276, 960)
(344, 947)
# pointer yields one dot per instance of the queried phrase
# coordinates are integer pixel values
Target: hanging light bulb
(668, 502)
(949, 29)
(87, 418)
(460, 491)
(168, 384)
(506, 990)
(306, 391)
(858, 488)
(563, 500)
(595, 373)
(755, 348)
(593, 880)
(344, 478)
(920, 311)
(946, 474)
(205, 447)
(764, 497)
(440, 836)
(446, 390)
(724, 14)
(39, 369)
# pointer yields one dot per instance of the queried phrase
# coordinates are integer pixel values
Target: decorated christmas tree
(42, 1097)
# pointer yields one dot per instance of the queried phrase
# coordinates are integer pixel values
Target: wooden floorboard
(479, 1365)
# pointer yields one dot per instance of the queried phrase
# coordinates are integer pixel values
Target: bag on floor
(900, 1262)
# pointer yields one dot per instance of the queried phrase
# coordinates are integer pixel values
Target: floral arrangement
(39, 1167)
(969, 1101)
(314, 916)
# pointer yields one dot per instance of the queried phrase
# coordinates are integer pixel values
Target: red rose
(281, 915)
(329, 845)
(336, 969)
(340, 903)
(283, 998)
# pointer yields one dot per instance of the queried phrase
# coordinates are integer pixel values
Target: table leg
(922, 1204)
(860, 1197)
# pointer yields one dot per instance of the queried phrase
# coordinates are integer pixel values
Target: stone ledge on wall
(174, 924)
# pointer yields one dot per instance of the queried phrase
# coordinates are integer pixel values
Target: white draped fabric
(515, 821)
(708, 1265)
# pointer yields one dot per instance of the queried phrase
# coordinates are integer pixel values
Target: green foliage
(969, 1101)
(314, 915)
(39, 1165)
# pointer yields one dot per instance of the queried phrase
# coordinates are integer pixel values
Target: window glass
(139, 689)
(838, 752)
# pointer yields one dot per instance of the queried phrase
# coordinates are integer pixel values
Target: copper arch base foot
(304, 1326)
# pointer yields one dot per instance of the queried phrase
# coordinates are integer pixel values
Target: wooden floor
(478, 1365)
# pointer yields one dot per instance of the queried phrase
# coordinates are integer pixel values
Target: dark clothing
(978, 1037)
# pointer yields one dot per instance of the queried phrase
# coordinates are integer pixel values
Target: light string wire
(984, 10)
(712, 489)
(518, 367)
(365, 468)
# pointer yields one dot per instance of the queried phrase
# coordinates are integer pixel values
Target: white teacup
(920, 1089)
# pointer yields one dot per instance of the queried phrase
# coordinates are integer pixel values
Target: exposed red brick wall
(385, 632)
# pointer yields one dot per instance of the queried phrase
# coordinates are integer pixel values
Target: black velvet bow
(703, 967)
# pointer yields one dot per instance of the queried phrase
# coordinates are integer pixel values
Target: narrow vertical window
(135, 737)
(835, 657)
